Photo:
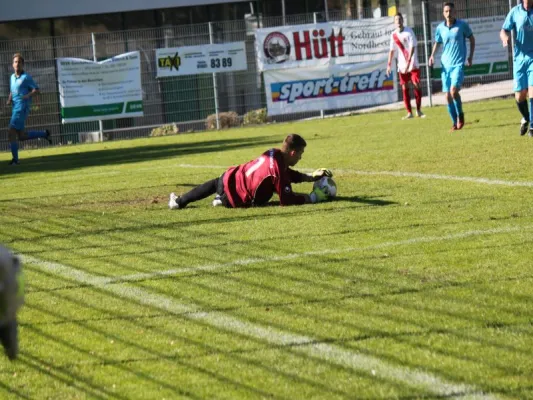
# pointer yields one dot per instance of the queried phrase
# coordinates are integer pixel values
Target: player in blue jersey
(520, 19)
(22, 89)
(452, 34)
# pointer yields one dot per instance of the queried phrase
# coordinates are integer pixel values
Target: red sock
(406, 98)
(418, 98)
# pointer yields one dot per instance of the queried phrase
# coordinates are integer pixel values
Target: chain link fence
(188, 100)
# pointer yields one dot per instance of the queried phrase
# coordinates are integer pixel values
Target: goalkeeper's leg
(11, 298)
(199, 192)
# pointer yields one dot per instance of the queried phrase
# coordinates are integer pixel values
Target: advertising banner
(331, 43)
(92, 91)
(490, 57)
(206, 58)
(325, 88)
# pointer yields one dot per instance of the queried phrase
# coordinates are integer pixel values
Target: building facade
(61, 18)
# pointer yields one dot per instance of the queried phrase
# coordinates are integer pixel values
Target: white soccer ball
(328, 185)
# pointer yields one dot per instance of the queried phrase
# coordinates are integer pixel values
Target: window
(139, 19)
(87, 24)
(25, 29)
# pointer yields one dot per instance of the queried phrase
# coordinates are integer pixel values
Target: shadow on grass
(371, 201)
(75, 160)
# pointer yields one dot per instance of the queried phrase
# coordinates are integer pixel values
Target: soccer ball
(328, 185)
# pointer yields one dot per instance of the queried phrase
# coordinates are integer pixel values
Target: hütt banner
(326, 88)
(109, 89)
(313, 45)
(206, 58)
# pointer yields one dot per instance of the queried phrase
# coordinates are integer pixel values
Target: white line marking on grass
(372, 366)
(486, 181)
(249, 261)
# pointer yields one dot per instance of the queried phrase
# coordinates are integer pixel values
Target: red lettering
(336, 43)
(299, 45)
(317, 43)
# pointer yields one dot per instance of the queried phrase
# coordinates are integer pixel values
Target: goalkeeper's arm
(298, 177)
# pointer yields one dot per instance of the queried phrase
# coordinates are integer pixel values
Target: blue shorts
(453, 76)
(522, 73)
(18, 118)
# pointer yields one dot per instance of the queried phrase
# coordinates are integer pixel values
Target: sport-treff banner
(206, 58)
(490, 57)
(109, 89)
(313, 45)
(322, 88)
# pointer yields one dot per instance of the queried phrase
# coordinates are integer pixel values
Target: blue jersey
(20, 86)
(521, 21)
(453, 39)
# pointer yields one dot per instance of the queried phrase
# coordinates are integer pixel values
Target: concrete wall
(34, 9)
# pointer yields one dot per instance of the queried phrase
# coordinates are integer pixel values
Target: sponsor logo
(201, 65)
(320, 46)
(277, 47)
(169, 62)
(290, 92)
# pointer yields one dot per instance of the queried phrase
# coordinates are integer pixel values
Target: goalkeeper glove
(322, 172)
(318, 195)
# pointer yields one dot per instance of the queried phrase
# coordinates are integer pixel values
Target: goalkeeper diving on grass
(254, 183)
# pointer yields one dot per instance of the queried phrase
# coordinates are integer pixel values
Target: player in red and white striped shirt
(403, 42)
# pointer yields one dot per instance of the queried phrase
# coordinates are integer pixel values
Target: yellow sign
(170, 62)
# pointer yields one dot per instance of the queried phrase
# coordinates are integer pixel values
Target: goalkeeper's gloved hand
(322, 172)
(318, 195)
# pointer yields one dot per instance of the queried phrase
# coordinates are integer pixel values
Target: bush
(255, 117)
(165, 130)
(228, 119)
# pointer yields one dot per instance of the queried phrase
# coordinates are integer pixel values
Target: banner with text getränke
(490, 57)
(92, 91)
(328, 43)
(339, 86)
(206, 58)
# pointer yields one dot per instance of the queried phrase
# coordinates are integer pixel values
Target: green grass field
(415, 283)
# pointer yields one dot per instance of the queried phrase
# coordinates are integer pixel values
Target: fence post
(314, 21)
(425, 15)
(326, 10)
(215, 87)
(95, 59)
(283, 11)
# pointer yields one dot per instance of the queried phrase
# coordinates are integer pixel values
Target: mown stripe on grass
(293, 256)
(302, 344)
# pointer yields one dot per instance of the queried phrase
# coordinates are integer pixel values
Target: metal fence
(188, 100)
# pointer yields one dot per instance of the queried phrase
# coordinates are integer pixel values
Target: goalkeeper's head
(293, 147)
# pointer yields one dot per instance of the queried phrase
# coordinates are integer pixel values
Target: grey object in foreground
(11, 299)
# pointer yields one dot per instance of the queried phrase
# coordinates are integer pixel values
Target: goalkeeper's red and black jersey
(254, 183)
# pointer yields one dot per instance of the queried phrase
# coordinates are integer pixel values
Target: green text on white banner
(92, 91)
